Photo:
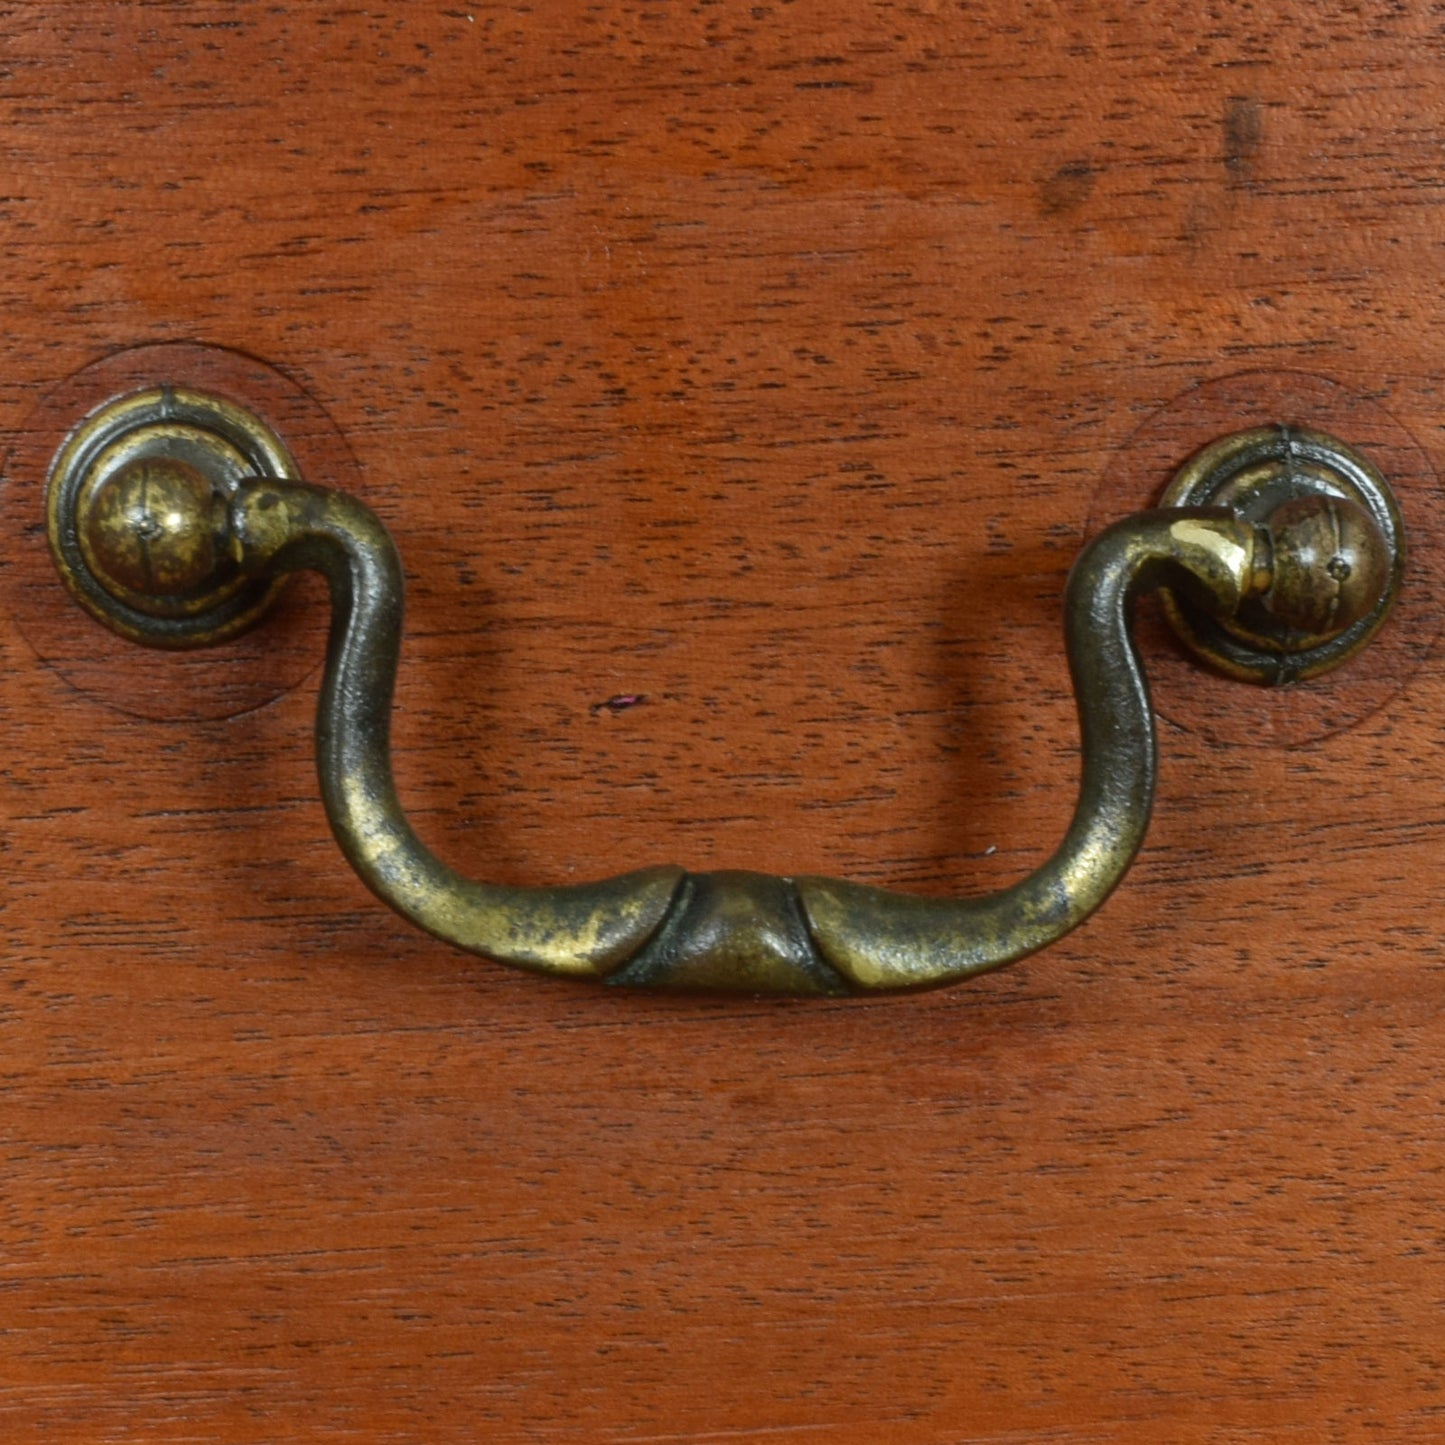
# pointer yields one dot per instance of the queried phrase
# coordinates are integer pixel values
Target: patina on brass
(1337, 552)
(138, 515)
(177, 538)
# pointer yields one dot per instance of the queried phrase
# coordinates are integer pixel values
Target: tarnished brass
(154, 530)
(176, 538)
(137, 504)
(1337, 552)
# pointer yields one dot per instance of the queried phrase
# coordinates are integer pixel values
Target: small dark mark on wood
(1243, 136)
(619, 703)
(1068, 187)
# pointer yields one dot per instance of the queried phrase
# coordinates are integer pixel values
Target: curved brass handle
(151, 543)
(738, 930)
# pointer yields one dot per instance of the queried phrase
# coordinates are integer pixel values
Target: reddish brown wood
(766, 365)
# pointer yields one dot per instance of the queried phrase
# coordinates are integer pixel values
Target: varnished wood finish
(739, 383)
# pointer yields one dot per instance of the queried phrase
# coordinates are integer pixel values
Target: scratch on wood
(619, 702)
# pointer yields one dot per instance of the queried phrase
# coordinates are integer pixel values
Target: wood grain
(761, 365)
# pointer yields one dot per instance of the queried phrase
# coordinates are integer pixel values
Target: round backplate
(1253, 473)
(222, 441)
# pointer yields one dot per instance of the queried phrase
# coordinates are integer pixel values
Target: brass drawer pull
(174, 516)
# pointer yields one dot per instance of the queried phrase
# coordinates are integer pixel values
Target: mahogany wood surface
(739, 383)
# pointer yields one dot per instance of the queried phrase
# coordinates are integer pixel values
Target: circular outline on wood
(214, 683)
